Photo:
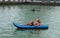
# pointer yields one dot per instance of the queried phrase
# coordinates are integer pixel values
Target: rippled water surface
(23, 14)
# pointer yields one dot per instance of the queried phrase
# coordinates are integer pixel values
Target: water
(23, 14)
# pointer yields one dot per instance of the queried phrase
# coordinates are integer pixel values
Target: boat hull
(43, 26)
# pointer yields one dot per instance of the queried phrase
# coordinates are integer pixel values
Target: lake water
(23, 14)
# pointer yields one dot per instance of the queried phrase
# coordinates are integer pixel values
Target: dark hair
(32, 23)
(38, 21)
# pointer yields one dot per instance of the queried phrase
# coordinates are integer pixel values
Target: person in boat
(31, 23)
(38, 23)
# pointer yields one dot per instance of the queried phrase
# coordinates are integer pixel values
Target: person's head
(38, 20)
(32, 23)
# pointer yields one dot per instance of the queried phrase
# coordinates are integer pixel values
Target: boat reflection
(32, 31)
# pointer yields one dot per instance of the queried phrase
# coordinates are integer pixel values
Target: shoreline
(32, 3)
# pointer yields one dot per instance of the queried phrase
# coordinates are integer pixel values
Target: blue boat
(22, 26)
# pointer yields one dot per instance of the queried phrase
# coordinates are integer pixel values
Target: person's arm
(38, 24)
(35, 24)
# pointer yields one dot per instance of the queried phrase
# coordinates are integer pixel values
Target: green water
(23, 14)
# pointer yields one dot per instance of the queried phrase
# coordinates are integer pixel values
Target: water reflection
(3, 7)
(30, 31)
(35, 31)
